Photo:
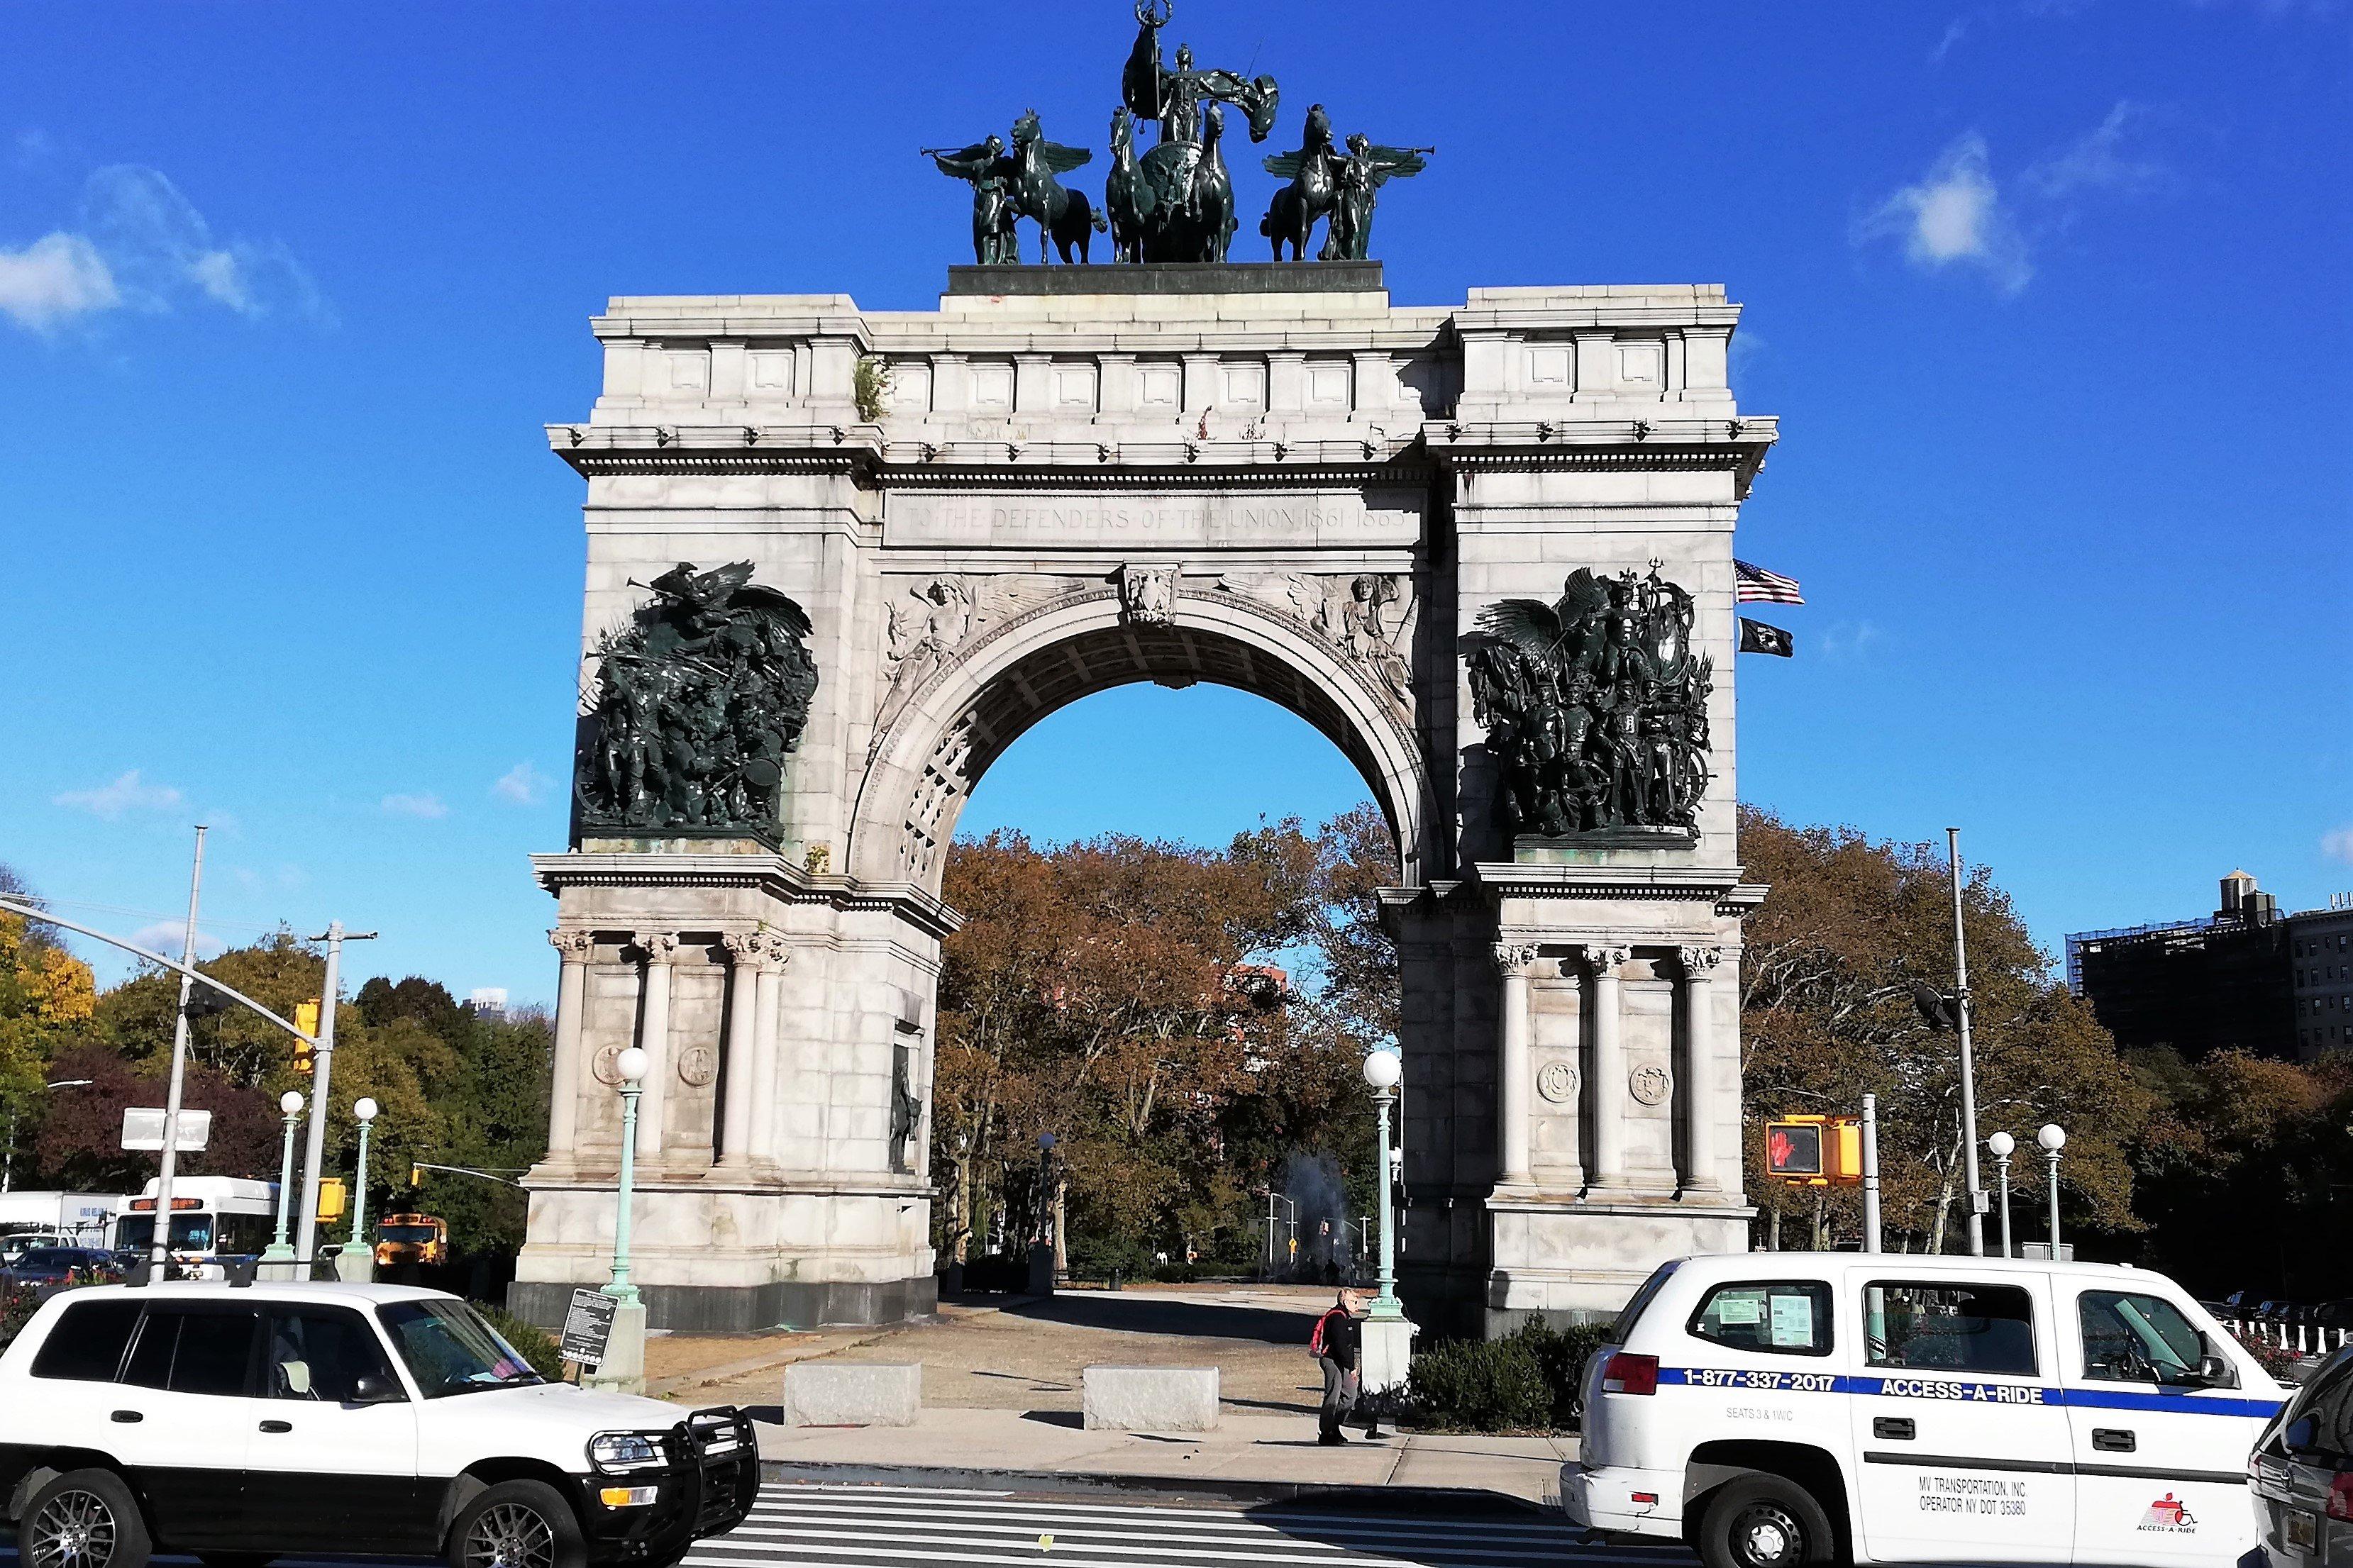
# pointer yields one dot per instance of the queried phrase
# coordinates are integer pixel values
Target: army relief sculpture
(1594, 707)
(1173, 201)
(697, 702)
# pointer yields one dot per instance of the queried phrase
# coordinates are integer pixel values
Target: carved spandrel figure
(1365, 637)
(697, 703)
(1368, 167)
(1595, 706)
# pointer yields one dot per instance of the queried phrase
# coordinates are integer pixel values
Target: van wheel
(517, 1524)
(83, 1519)
(1764, 1522)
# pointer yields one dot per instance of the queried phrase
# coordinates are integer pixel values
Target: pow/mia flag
(1755, 637)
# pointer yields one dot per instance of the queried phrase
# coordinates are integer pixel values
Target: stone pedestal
(623, 1370)
(1266, 476)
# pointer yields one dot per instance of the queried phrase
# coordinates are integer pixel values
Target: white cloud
(2337, 843)
(142, 244)
(54, 279)
(1955, 216)
(1848, 641)
(125, 793)
(167, 936)
(522, 784)
(34, 146)
(426, 806)
(2096, 161)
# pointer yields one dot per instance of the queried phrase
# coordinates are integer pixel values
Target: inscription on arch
(1208, 520)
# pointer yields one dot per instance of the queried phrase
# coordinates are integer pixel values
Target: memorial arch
(839, 560)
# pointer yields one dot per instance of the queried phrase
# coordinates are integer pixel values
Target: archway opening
(1171, 966)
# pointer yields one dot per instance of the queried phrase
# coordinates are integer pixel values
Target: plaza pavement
(1001, 1393)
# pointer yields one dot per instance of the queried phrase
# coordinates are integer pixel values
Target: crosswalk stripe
(1262, 1523)
(1165, 1541)
(719, 1554)
(1003, 1501)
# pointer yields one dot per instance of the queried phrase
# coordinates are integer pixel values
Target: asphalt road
(877, 1527)
(925, 1527)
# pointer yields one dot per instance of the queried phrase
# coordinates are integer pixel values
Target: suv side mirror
(373, 1389)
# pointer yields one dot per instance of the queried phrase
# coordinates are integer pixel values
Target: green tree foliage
(1125, 996)
(47, 1003)
(79, 1145)
(1828, 1014)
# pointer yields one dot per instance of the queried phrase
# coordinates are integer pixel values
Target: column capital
(658, 946)
(1515, 958)
(1605, 961)
(574, 945)
(1700, 959)
(775, 952)
(743, 947)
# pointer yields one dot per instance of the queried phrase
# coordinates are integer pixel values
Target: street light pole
(159, 1250)
(1969, 1068)
(1382, 1071)
(1871, 1235)
(2003, 1144)
(281, 1251)
(2052, 1138)
(356, 1261)
(324, 1063)
(624, 1366)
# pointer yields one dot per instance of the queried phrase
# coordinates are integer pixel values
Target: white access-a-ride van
(1774, 1409)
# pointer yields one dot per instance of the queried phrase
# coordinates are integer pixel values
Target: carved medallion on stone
(1556, 1081)
(698, 1065)
(1147, 594)
(1649, 1084)
(606, 1065)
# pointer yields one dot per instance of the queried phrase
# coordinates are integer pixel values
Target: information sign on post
(588, 1326)
(143, 1129)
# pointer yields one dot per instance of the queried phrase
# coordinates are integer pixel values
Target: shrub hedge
(1527, 1381)
(535, 1343)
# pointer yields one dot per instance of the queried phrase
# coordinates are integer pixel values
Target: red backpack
(1315, 1337)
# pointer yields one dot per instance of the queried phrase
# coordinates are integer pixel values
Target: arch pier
(1263, 476)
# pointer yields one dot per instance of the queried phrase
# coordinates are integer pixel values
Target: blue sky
(2051, 298)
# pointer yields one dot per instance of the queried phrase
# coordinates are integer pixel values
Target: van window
(86, 1345)
(2131, 1338)
(1946, 1326)
(1790, 1316)
(1634, 1312)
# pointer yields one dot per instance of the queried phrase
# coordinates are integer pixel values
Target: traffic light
(204, 1001)
(306, 1019)
(334, 1198)
(416, 1175)
(1814, 1151)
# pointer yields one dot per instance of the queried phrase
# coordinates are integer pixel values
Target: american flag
(1758, 585)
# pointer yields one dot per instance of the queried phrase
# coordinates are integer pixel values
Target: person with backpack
(1334, 1343)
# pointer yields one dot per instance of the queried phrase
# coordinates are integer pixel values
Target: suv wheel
(83, 1519)
(1764, 1522)
(517, 1524)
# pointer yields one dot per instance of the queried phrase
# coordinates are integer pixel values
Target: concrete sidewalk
(1250, 1456)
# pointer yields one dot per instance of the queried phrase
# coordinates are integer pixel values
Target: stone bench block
(853, 1393)
(1151, 1398)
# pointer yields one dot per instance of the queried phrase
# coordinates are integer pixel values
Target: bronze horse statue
(1064, 217)
(1129, 200)
(1312, 193)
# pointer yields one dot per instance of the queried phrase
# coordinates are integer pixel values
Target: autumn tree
(1827, 978)
(47, 1004)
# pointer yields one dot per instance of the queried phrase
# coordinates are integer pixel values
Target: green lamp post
(281, 1251)
(357, 1260)
(624, 1366)
(1382, 1071)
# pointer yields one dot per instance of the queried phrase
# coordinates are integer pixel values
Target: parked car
(2302, 1472)
(259, 1421)
(62, 1265)
(1778, 1409)
(16, 1244)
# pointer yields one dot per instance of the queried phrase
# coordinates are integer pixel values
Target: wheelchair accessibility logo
(2167, 1515)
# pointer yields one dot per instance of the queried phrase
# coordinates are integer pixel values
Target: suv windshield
(449, 1350)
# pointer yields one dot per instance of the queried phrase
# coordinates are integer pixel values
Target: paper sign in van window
(1789, 1317)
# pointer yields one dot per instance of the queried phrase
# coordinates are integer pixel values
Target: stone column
(1606, 1085)
(769, 960)
(742, 1033)
(1513, 961)
(563, 1077)
(1700, 1113)
(661, 949)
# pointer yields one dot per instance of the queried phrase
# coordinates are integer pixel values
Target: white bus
(213, 1217)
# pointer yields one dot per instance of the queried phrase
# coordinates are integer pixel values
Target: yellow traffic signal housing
(306, 1019)
(335, 1199)
(1814, 1151)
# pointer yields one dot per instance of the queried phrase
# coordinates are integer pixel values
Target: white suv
(249, 1421)
(1774, 1409)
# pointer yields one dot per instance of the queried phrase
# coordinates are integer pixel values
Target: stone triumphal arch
(839, 560)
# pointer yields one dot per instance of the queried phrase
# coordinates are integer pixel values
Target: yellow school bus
(411, 1239)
